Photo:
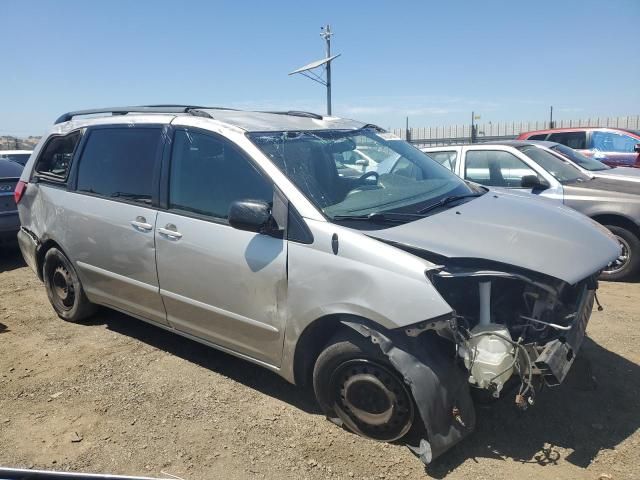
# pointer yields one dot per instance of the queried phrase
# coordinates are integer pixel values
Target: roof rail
(140, 109)
(298, 113)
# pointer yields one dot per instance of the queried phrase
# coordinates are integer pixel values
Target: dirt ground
(120, 396)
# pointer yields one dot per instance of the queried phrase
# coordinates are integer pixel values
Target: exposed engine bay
(511, 331)
(512, 324)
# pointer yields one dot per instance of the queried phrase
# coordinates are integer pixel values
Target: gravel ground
(120, 396)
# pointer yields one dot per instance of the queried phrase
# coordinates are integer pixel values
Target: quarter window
(55, 160)
(208, 174)
(495, 168)
(577, 140)
(119, 163)
(540, 136)
(445, 158)
(613, 142)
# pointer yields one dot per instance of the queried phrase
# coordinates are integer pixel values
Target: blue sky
(434, 61)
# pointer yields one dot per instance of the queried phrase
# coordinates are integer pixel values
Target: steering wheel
(372, 173)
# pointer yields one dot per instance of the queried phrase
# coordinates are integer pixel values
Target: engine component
(490, 356)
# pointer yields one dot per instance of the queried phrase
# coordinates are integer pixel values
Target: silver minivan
(395, 295)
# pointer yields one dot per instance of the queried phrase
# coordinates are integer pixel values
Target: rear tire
(354, 381)
(628, 264)
(64, 289)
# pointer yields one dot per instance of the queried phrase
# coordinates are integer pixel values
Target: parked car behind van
(616, 147)
(235, 229)
(18, 156)
(530, 166)
(9, 222)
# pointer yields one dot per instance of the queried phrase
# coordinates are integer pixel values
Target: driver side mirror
(252, 216)
(363, 162)
(534, 182)
(637, 147)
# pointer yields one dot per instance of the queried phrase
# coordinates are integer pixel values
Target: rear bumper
(29, 247)
(9, 224)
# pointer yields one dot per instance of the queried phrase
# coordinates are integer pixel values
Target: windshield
(576, 157)
(563, 171)
(405, 182)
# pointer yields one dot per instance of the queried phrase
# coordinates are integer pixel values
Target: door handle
(140, 223)
(170, 231)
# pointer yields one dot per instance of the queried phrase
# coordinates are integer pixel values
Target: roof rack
(298, 113)
(193, 109)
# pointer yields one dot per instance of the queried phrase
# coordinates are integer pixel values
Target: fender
(439, 387)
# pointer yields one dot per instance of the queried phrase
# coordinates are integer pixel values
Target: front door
(223, 285)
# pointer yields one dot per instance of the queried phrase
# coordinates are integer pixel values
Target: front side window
(576, 140)
(405, 181)
(613, 142)
(562, 171)
(496, 168)
(55, 160)
(119, 163)
(208, 174)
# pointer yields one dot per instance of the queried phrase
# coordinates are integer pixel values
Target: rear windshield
(562, 171)
(20, 158)
(576, 157)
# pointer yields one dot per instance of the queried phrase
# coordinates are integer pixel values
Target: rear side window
(119, 163)
(577, 140)
(55, 160)
(208, 174)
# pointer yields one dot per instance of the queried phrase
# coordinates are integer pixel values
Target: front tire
(354, 382)
(627, 264)
(64, 289)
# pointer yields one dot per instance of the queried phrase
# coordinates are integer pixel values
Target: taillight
(19, 191)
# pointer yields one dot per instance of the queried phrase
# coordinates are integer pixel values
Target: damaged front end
(509, 327)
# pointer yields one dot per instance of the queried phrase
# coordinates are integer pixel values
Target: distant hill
(15, 143)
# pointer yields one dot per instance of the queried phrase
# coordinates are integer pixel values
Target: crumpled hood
(521, 230)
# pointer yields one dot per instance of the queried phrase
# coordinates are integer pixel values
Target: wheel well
(618, 221)
(41, 252)
(313, 340)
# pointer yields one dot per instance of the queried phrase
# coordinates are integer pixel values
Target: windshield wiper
(380, 217)
(444, 201)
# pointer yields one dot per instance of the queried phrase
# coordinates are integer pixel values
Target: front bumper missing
(439, 387)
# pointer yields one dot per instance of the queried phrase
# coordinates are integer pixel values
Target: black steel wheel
(356, 384)
(64, 288)
(371, 400)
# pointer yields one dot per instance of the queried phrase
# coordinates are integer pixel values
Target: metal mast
(306, 71)
(326, 34)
